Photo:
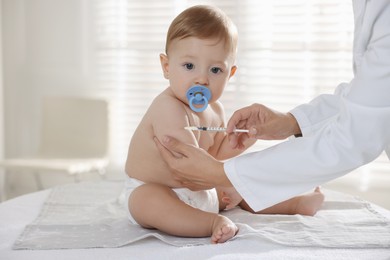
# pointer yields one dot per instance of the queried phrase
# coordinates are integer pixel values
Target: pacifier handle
(198, 95)
(201, 109)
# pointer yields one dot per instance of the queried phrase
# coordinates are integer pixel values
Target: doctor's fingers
(253, 115)
(167, 155)
(239, 118)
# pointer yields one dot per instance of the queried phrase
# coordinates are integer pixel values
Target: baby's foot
(223, 230)
(309, 204)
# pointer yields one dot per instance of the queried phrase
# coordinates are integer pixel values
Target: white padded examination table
(17, 213)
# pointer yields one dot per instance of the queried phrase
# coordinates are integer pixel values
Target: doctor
(340, 132)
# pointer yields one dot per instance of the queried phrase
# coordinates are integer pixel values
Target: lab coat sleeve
(314, 115)
(357, 133)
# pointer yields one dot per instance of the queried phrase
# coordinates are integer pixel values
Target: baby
(199, 60)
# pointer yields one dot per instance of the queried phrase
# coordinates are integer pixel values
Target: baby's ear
(164, 65)
(233, 71)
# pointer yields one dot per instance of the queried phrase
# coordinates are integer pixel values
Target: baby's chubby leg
(307, 204)
(157, 206)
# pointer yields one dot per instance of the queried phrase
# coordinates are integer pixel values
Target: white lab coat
(340, 132)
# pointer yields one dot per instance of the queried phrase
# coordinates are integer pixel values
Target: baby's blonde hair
(203, 22)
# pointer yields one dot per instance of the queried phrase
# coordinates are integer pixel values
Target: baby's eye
(215, 70)
(189, 66)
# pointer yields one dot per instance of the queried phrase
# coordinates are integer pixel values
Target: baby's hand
(231, 197)
(242, 141)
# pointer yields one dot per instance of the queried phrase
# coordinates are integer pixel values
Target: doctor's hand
(263, 123)
(194, 168)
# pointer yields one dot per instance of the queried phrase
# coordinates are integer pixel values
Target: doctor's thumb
(252, 132)
(169, 142)
(174, 145)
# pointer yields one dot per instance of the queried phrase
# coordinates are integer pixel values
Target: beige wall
(42, 56)
(1, 89)
(1, 105)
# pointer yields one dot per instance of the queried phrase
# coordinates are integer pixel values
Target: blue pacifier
(198, 95)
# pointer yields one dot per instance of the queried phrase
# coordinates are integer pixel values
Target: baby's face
(193, 61)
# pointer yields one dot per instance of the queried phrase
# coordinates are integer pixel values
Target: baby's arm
(225, 150)
(230, 197)
(222, 149)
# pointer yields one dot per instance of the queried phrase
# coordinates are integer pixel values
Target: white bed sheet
(15, 214)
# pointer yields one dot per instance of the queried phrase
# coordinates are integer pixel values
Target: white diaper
(206, 200)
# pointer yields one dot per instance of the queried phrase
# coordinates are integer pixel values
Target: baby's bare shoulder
(166, 105)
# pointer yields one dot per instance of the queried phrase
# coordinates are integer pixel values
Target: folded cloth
(92, 215)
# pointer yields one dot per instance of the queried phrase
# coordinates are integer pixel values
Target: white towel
(92, 215)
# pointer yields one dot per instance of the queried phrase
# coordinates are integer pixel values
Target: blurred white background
(289, 52)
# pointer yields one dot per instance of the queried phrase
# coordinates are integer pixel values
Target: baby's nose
(202, 80)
